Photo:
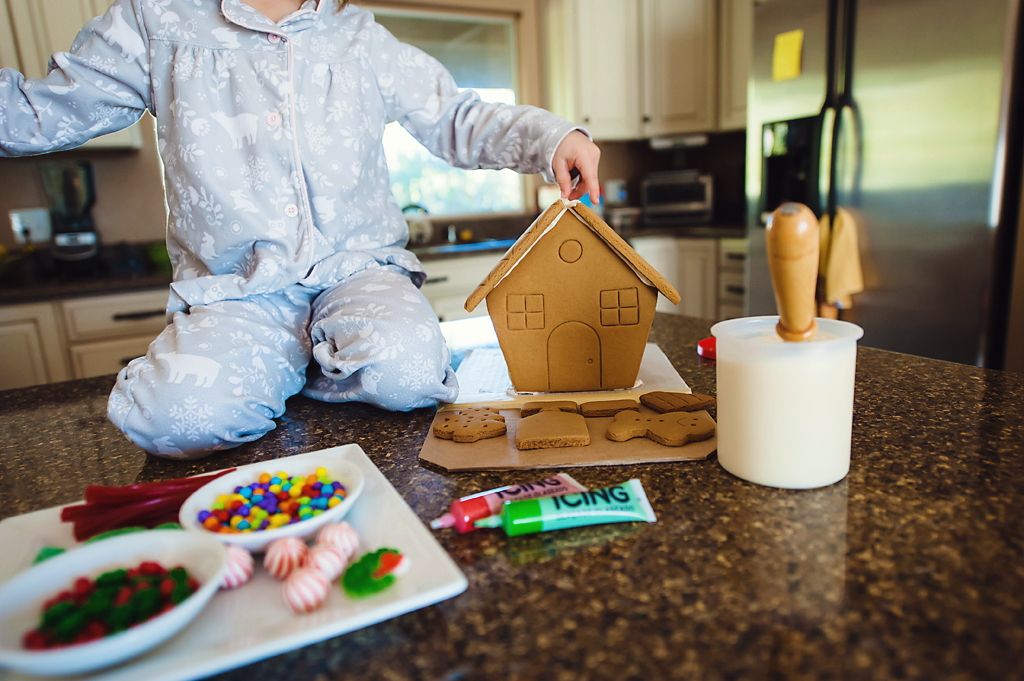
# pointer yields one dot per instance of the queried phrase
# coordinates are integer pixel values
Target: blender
(71, 192)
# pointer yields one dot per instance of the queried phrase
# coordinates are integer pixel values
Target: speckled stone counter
(910, 568)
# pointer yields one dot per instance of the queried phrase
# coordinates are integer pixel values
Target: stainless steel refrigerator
(909, 114)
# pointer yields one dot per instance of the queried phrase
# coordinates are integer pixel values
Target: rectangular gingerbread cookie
(552, 429)
(599, 409)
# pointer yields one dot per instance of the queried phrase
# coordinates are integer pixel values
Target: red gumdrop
(192, 584)
(33, 640)
(123, 596)
(166, 587)
(83, 585)
(96, 629)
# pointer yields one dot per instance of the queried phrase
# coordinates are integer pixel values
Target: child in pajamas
(286, 242)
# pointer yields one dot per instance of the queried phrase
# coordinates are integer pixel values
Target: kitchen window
(480, 54)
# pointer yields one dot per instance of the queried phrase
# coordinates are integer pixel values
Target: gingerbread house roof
(540, 227)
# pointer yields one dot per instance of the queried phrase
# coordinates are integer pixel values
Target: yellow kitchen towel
(839, 263)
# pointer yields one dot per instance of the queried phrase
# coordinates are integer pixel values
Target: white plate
(22, 598)
(204, 497)
(252, 623)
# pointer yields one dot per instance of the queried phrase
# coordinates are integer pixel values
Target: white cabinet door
(691, 266)
(31, 351)
(736, 37)
(608, 67)
(698, 268)
(116, 316)
(678, 47)
(451, 281)
(107, 357)
(42, 27)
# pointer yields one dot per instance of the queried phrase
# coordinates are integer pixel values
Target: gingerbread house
(572, 304)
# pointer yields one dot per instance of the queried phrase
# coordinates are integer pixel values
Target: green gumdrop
(112, 578)
(178, 574)
(180, 593)
(70, 626)
(53, 616)
(168, 526)
(113, 533)
(100, 603)
(120, 618)
(145, 604)
(46, 553)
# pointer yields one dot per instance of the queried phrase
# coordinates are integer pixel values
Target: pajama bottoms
(219, 374)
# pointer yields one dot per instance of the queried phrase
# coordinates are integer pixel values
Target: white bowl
(204, 498)
(22, 598)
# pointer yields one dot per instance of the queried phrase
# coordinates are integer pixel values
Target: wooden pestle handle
(792, 239)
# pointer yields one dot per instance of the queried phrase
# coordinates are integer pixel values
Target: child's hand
(577, 151)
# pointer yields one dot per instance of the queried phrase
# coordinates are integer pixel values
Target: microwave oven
(676, 198)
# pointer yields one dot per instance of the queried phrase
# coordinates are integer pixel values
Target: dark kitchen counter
(910, 568)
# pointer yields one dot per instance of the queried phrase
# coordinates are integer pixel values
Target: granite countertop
(909, 568)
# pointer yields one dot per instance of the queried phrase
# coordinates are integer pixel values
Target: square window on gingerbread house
(572, 304)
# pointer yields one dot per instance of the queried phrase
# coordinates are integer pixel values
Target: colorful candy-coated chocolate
(297, 498)
(328, 559)
(342, 536)
(306, 590)
(240, 567)
(284, 556)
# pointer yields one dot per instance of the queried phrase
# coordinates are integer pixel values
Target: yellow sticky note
(786, 58)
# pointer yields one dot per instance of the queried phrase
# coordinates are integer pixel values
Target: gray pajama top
(270, 134)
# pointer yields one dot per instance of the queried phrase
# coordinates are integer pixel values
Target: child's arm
(100, 86)
(467, 133)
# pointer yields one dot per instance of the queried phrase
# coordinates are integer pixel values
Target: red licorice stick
(105, 495)
(141, 514)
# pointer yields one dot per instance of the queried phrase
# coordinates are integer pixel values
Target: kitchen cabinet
(78, 337)
(691, 266)
(735, 40)
(30, 346)
(32, 30)
(629, 69)
(732, 288)
(104, 333)
(450, 281)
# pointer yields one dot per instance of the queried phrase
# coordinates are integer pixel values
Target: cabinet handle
(735, 256)
(586, 119)
(739, 290)
(135, 316)
(435, 280)
(647, 119)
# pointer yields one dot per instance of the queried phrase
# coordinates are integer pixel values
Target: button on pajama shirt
(286, 242)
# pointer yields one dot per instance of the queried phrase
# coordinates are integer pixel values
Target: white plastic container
(785, 410)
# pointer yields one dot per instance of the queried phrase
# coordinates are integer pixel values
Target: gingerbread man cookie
(531, 408)
(470, 424)
(671, 430)
(665, 402)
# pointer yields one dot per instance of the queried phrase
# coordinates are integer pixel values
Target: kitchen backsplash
(130, 203)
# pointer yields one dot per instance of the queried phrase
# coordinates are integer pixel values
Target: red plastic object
(706, 348)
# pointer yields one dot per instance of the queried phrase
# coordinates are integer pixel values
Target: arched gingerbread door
(574, 358)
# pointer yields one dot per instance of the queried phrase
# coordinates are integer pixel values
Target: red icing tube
(467, 510)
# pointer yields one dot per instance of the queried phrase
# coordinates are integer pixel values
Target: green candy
(70, 626)
(180, 593)
(358, 579)
(145, 604)
(120, 618)
(53, 616)
(178, 574)
(112, 578)
(101, 601)
(46, 553)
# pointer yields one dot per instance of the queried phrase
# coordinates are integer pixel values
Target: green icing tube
(623, 503)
